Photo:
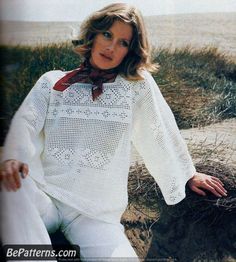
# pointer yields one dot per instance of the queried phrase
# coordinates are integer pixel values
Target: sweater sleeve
(158, 140)
(24, 137)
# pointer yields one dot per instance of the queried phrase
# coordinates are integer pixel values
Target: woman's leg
(22, 214)
(99, 240)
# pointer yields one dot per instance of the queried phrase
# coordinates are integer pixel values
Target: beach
(166, 31)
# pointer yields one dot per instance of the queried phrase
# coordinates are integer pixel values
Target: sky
(77, 10)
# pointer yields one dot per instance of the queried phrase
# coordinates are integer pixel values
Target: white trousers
(28, 214)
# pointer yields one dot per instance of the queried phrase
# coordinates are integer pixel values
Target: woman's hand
(202, 181)
(11, 172)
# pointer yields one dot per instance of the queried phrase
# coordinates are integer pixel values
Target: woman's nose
(111, 46)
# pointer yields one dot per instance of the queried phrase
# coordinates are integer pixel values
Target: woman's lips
(106, 57)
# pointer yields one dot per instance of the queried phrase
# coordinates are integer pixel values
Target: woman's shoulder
(52, 74)
(144, 77)
(146, 80)
(145, 74)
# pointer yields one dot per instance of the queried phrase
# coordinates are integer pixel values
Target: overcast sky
(77, 10)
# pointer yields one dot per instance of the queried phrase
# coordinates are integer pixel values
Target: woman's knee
(98, 239)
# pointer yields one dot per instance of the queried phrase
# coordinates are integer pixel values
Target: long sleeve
(158, 140)
(24, 138)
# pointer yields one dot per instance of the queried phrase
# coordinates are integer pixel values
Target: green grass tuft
(209, 73)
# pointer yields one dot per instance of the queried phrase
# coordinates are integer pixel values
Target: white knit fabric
(78, 150)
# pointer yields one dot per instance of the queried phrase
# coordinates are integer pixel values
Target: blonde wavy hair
(139, 54)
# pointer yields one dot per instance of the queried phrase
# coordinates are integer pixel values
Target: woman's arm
(158, 140)
(22, 140)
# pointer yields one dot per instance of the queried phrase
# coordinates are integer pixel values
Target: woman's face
(110, 47)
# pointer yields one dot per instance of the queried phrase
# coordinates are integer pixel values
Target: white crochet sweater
(78, 150)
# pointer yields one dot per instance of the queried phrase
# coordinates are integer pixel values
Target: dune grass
(199, 85)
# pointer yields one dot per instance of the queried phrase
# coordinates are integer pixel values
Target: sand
(170, 31)
(215, 142)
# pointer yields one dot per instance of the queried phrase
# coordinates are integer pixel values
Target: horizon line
(77, 21)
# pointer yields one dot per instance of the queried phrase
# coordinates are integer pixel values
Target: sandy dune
(216, 142)
(197, 30)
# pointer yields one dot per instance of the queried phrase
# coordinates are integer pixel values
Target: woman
(73, 133)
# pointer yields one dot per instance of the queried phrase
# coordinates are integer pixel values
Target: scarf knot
(86, 73)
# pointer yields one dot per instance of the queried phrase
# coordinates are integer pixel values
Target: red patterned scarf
(87, 74)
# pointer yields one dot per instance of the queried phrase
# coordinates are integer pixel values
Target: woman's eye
(107, 34)
(124, 43)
